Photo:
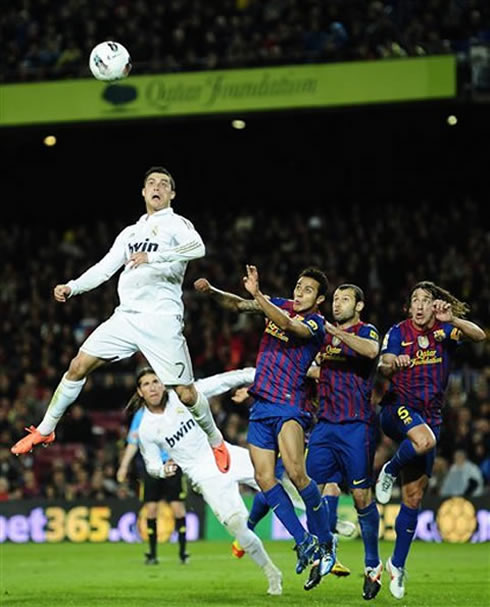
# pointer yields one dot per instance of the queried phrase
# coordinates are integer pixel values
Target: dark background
(371, 155)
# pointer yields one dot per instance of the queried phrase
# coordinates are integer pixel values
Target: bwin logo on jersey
(143, 247)
(184, 429)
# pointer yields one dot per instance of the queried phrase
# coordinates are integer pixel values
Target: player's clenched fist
(61, 292)
(202, 284)
(169, 468)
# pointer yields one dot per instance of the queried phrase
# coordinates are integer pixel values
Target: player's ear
(320, 299)
(140, 393)
(172, 194)
(359, 306)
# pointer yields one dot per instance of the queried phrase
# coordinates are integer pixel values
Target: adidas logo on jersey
(143, 247)
(176, 436)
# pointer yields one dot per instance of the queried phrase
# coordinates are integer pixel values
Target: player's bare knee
(424, 444)
(331, 489)
(151, 509)
(362, 498)
(78, 369)
(264, 480)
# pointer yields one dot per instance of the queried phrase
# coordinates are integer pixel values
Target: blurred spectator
(463, 478)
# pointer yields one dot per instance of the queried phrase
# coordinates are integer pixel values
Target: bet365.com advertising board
(454, 520)
(217, 92)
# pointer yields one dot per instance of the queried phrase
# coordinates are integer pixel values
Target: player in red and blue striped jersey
(416, 356)
(343, 441)
(293, 335)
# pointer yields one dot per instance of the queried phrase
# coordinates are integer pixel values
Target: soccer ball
(110, 61)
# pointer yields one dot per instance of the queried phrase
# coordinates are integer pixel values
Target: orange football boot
(222, 457)
(26, 444)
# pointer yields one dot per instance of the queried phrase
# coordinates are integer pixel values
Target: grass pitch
(113, 575)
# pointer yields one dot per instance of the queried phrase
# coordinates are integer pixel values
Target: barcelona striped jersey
(283, 361)
(346, 377)
(422, 385)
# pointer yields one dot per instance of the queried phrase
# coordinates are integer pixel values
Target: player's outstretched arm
(229, 301)
(273, 312)
(362, 345)
(224, 382)
(101, 271)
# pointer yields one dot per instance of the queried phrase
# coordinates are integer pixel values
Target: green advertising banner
(258, 89)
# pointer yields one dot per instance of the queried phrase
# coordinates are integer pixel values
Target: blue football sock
(369, 522)
(282, 506)
(316, 512)
(405, 453)
(333, 502)
(260, 508)
(405, 525)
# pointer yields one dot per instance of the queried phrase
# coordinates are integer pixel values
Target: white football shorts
(159, 338)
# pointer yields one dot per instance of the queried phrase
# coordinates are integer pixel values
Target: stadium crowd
(38, 337)
(51, 39)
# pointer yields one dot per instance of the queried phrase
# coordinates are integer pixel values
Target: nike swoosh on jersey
(407, 343)
(315, 508)
(358, 482)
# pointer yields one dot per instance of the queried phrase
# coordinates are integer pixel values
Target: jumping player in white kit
(153, 253)
(167, 425)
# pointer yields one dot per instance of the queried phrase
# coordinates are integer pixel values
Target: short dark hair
(159, 170)
(358, 292)
(319, 276)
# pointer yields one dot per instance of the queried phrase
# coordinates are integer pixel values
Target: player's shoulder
(180, 220)
(129, 230)
(368, 329)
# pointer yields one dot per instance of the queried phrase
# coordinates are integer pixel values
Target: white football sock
(66, 393)
(250, 542)
(201, 412)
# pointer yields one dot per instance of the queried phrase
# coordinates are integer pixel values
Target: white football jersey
(176, 432)
(170, 242)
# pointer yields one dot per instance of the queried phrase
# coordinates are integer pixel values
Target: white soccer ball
(109, 61)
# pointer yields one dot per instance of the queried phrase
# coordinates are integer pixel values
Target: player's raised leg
(65, 394)
(420, 439)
